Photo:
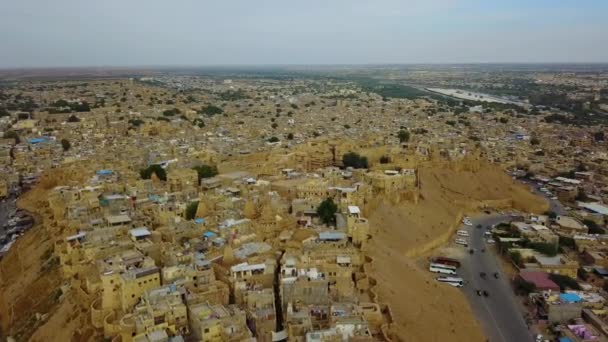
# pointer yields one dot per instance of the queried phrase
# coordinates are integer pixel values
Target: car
(490, 241)
(485, 293)
(496, 275)
(487, 212)
(471, 251)
(482, 274)
(483, 250)
(479, 226)
(554, 198)
(479, 292)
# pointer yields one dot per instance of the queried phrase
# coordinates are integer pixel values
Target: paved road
(554, 205)
(500, 314)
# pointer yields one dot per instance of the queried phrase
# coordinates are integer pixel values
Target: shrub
(191, 210)
(354, 160)
(65, 144)
(404, 136)
(205, 171)
(153, 169)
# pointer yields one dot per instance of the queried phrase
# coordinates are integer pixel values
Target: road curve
(499, 313)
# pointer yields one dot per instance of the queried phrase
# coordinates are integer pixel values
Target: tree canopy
(12, 135)
(205, 171)
(327, 210)
(355, 160)
(65, 143)
(191, 210)
(153, 169)
(404, 136)
(210, 110)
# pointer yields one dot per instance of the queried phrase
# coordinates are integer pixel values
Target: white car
(490, 241)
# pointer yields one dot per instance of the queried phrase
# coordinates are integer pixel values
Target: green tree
(205, 171)
(327, 210)
(153, 169)
(290, 136)
(191, 210)
(211, 110)
(503, 120)
(516, 258)
(534, 141)
(404, 136)
(273, 139)
(354, 160)
(12, 135)
(73, 118)
(65, 143)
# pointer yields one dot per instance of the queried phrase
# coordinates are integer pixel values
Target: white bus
(462, 233)
(444, 269)
(461, 242)
(454, 281)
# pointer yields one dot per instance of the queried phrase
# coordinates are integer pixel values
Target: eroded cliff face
(422, 309)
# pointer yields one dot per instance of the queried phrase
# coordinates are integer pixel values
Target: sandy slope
(422, 309)
(26, 289)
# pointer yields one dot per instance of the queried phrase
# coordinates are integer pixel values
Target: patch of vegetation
(210, 110)
(191, 209)
(153, 169)
(65, 144)
(205, 171)
(404, 136)
(353, 159)
(12, 135)
(327, 211)
(171, 112)
(135, 122)
(199, 122)
(232, 95)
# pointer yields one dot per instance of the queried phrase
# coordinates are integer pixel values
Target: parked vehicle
(462, 233)
(496, 275)
(446, 261)
(444, 269)
(460, 241)
(454, 281)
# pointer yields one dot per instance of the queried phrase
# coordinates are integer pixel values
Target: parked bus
(444, 269)
(446, 261)
(461, 242)
(454, 281)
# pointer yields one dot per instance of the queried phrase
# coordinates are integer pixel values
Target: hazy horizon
(113, 34)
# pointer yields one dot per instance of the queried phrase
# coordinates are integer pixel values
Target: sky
(73, 33)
